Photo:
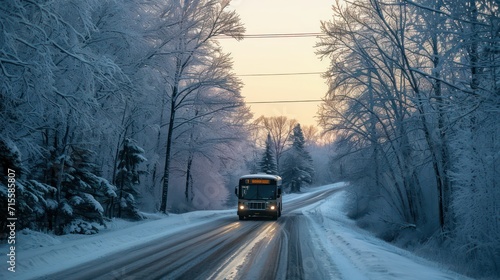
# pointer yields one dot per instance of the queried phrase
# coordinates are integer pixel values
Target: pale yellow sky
(280, 55)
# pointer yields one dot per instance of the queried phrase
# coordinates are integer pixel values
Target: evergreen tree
(81, 194)
(127, 178)
(297, 168)
(33, 202)
(268, 163)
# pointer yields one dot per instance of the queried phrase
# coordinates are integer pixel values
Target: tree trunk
(57, 222)
(152, 188)
(188, 176)
(166, 171)
(441, 166)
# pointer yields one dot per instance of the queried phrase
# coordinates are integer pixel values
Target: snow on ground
(38, 253)
(355, 253)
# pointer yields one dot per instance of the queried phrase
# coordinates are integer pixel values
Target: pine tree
(81, 194)
(127, 178)
(268, 163)
(33, 199)
(297, 165)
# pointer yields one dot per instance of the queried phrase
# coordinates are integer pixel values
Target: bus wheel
(241, 217)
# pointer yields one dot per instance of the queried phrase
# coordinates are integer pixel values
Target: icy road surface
(312, 240)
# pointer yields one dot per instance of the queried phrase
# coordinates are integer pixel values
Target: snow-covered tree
(297, 170)
(81, 193)
(197, 61)
(268, 163)
(49, 75)
(34, 201)
(127, 179)
(214, 129)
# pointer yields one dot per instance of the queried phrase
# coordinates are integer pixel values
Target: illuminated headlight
(273, 207)
(242, 207)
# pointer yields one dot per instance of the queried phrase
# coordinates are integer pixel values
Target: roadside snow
(356, 254)
(38, 253)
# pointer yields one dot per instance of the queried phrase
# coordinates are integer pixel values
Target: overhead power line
(279, 74)
(276, 35)
(284, 101)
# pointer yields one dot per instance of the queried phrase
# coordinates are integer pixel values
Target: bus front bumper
(257, 212)
(261, 213)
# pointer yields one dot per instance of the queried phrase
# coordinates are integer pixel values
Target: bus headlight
(242, 207)
(273, 207)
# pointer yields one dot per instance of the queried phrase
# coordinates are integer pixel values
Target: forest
(414, 100)
(107, 104)
(115, 108)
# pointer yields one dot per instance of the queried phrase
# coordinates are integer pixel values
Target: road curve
(223, 249)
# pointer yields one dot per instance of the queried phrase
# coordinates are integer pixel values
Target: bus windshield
(258, 192)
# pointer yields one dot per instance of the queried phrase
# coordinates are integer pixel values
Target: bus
(259, 195)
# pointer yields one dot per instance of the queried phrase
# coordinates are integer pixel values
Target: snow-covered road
(312, 240)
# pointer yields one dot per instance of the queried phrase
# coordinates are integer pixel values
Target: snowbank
(357, 254)
(38, 253)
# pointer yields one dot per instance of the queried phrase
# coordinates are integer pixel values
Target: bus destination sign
(260, 181)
